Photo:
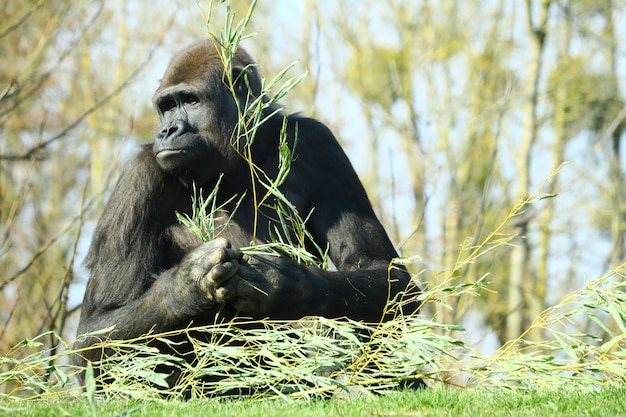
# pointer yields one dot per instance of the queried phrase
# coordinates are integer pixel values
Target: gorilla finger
(263, 260)
(251, 290)
(216, 276)
(219, 255)
(222, 272)
(226, 291)
(248, 273)
(219, 242)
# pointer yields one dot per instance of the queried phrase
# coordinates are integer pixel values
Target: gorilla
(149, 273)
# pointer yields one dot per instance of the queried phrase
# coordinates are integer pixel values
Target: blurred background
(452, 112)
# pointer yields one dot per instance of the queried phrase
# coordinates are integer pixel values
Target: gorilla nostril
(173, 130)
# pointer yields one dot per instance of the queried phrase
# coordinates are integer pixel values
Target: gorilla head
(199, 102)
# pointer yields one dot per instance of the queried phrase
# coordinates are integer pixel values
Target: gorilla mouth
(167, 153)
(172, 161)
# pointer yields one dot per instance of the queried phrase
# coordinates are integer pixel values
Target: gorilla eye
(240, 85)
(166, 104)
(191, 99)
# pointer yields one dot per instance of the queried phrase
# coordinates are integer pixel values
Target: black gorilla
(149, 273)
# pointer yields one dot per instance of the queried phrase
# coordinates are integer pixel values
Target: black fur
(149, 273)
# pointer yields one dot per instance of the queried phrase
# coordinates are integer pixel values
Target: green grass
(609, 401)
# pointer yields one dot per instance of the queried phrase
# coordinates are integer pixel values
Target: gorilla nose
(174, 130)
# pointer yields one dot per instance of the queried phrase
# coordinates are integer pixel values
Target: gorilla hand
(274, 286)
(205, 274)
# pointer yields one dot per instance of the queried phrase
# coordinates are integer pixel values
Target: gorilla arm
(135, 284)
(323, 180)
(279, 288)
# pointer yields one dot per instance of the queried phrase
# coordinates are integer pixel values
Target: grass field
(610, 402)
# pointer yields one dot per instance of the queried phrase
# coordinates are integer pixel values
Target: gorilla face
(199, 110)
